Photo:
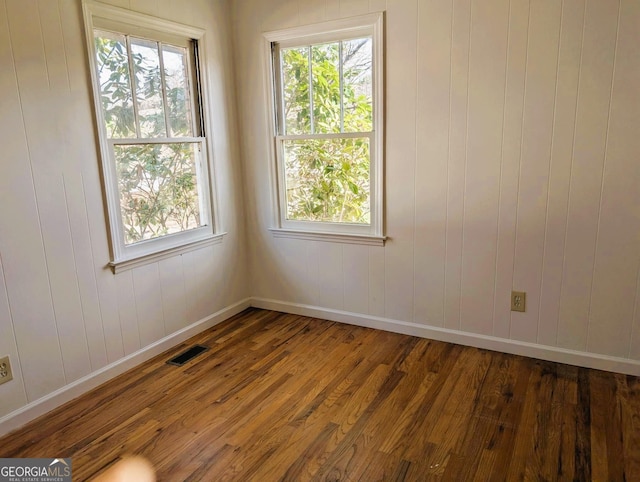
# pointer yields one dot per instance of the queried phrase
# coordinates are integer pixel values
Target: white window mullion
(201, 185)
(156, 140)
(279, 82)
(282, 180)
(313, 129)
(115, 213)
(132, 80)
(328, 135)
(164, 92)
(341, 80)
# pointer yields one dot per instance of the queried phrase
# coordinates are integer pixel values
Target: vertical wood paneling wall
(63, 314)
(512, 162)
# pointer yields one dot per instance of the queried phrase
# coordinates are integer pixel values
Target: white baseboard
(64, 394)
(543, 352)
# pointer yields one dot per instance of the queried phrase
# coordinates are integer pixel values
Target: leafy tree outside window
(327, 137)
(327, 90)
(146, 106)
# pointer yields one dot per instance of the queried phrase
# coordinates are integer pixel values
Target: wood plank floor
(283, 397)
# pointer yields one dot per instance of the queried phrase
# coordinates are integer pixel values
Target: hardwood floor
(283, 397)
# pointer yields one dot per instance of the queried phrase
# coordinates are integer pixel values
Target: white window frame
(100, 16)
(353, 27)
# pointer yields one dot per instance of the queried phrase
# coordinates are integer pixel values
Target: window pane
(115, 84)
(178, 99)
(328, 180)
(295, 86)
(158, 189)
(148, 86)
(357, 75)
(326, 87)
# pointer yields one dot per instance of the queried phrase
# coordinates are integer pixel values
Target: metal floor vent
(188, 355)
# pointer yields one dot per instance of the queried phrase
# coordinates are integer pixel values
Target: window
(326, 82)
(148, 92)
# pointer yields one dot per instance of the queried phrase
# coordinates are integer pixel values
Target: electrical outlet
(5, 370)
(518, 300)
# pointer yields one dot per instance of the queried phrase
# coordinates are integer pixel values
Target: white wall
(512, 162)
(63, 314)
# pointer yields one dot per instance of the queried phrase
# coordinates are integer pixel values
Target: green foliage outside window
(327, 179)
(156, 181)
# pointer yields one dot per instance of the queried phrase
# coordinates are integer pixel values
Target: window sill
(127, 264)
(366, 240)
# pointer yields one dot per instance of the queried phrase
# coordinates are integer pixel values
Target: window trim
(122, 256)
(342, 29)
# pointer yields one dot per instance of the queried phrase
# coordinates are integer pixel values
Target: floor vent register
(188, 355)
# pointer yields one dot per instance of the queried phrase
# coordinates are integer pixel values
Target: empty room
(351, 240)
